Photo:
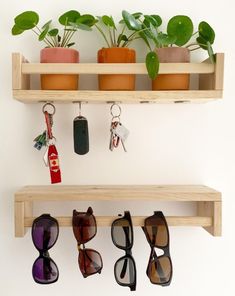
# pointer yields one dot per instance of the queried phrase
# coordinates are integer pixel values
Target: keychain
(47, 139)
(80, 134)
(119, 132)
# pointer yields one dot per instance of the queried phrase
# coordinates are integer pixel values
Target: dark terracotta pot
(116, 81)
(59, 81)
(172, 81)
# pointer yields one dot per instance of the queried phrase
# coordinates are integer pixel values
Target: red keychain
(51, 156)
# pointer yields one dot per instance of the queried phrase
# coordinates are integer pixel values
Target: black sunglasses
(122, 237)
(159, 269)
(45, 231)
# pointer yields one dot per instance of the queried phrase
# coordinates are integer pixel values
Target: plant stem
(70, 35)
(194, 48)
(114, 37)
(110, 36)
(191, 44)
(45, 41)
(195, 33)
(102, 33)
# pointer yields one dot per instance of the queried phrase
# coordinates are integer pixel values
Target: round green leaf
(181, 27)
(16, 31)
(46, 25)
(202, 42)
(69, 17)
(137, 15)
(53, 32)
(206, 32)
(108, 21)
(148, 19)
(152, 64)
(27, 20)
(87, 19)
(80, 26)
(157, 18)
(43, 34)
(130, 21)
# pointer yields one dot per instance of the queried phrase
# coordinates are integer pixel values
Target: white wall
(168, 144)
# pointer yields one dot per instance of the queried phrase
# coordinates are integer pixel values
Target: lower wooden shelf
(126, 97)
(208, 201)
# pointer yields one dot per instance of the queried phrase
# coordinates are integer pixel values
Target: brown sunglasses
(84, 229)
(159, 269)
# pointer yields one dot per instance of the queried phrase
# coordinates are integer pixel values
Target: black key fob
(80, 135)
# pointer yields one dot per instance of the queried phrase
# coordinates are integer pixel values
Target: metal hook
(80, 108)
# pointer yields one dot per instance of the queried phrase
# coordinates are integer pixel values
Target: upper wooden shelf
(210, 83)
(208, 202)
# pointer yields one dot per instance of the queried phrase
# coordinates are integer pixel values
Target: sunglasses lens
(45, 271)
(45, 232)
(84, 227)
(122, 233)
(89, 261)
(160, 270)
(125, 271)
(157, 232)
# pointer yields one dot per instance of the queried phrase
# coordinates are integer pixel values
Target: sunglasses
(159, 269)
(122, 237)
(84, 229)
(45, 231)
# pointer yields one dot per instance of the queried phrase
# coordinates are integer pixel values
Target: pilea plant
(179, 33)
(108, 29)
(71, 21)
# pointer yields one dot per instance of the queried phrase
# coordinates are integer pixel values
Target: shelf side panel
(213, 210)
(20, 81)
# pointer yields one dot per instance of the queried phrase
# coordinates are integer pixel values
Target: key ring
(49, 105)
(112, 111)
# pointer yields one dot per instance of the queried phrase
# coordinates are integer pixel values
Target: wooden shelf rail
(208, 203)
(210, 86)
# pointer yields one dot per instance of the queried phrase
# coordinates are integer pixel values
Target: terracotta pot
(172, 81)
(59, 81)
(117, 81)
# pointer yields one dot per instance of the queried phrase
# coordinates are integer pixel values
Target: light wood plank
(20, 81)
(193, 96)
(19, 219)
(136, 220)
(118, 192)
(214, 210)
(219, 71)
(117, 68)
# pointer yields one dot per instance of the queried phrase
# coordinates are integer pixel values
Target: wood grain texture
(136, 220)
(214, 210)
(20, 81)
(19, 219)
(144, 96)
(117, 68)
(118, 192)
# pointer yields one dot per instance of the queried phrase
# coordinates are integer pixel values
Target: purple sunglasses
(45, 231)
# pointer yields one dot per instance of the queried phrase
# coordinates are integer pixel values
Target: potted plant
(117, 49)
(174, 47)
(58, 46)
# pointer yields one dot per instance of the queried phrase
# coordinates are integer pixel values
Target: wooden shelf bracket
(208, 201)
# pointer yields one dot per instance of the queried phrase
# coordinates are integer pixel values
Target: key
(121, 131)
(124, 148)
(111, 138)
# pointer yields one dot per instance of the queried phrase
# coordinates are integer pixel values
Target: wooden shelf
(210, 85)
(208, 203)
(161, 97)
